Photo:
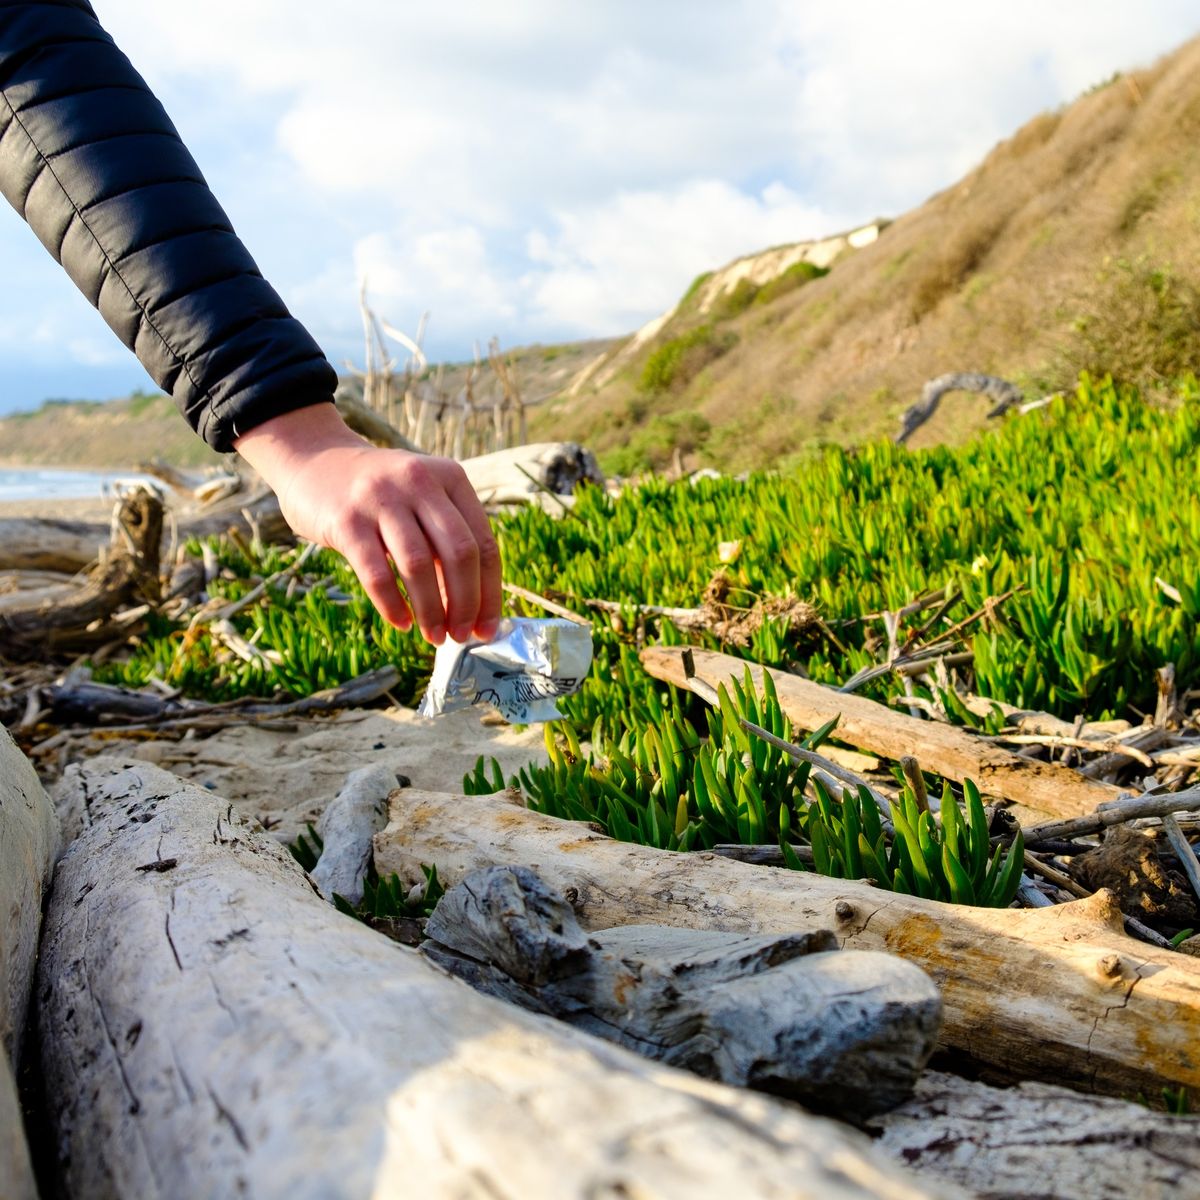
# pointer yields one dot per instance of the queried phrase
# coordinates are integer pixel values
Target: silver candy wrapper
(522, 670)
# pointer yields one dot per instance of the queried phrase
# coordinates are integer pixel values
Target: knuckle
(489, 554)
(415, 563)
(461, 551)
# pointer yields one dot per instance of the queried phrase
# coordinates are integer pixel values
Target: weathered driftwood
(846, 1032)
(346, 827)
(16, 1171)
(67, 547)
(28, 838)
(81, 700)
(37, 544)
(1005, 394)
(128, 571)
(28, 834)
(946, 750)
(221, 1031)
(1031, 993)
(514, 476)
(1038, 1142)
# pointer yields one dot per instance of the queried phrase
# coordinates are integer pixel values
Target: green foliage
(307, 847)
(1079, 507)
(387, 899)
(310, 641)
(663, 785)
(680, 359)
(1141, 320)
(797, 275)
(654, 445)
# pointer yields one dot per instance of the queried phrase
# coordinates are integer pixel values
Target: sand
(73, 509)
(285, 779)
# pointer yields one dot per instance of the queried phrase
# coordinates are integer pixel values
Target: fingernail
(437, 635)
(461, 634)
(487, 631)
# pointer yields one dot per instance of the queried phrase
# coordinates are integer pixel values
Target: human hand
(384, 507)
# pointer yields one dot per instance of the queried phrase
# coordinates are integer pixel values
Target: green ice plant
(667, 787)
(1056, 507)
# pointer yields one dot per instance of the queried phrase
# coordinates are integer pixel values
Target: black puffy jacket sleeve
(90, 159)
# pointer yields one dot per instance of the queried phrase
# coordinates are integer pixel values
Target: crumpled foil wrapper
(522, 671)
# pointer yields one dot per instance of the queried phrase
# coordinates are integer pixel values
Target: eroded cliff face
(757, 269)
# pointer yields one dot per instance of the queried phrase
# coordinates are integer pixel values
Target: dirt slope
(1073, 245)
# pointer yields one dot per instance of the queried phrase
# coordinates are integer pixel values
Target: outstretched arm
(90, 159)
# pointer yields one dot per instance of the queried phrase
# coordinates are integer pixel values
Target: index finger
(463, 496)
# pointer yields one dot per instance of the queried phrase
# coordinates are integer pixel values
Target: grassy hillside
(122, 433)
(1072, 246)
(113, 433)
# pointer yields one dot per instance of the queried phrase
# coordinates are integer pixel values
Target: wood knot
(844, 910)
(571, 896)
(1110, 964)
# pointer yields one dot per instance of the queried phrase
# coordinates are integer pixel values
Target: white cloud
(539, 170)
(609, 266)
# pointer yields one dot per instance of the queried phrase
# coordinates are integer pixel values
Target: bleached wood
(1059, 993)
(221, 1031)
(28, 837)
(1050, 788)
(846, 1032)
(516, 475)
(354, 816)
(16, 1172)
(45, 544)
(1038, 1142)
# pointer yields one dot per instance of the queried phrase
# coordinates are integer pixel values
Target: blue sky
(541, 171)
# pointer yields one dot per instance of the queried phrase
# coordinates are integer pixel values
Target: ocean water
(49, 483)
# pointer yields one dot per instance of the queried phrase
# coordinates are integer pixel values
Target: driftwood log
(1038, 1142)
(28, 838)
(1006, 395)
(1049, 788)
(845, 1032)
(70, 618)
(346, 827)
(1060, 994)
(515, 476)
(218, 1030)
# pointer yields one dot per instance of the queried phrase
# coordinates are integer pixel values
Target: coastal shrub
(680, 359)
(1140, 314)
(797, 275)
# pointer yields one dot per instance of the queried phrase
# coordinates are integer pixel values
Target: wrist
(279, 446)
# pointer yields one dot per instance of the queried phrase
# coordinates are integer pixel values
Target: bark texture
(28, 839)
(1060, 994)
(845, 1032)
(221, 1031)
(1038, 1142)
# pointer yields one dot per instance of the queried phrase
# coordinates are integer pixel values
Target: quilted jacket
(90, 159)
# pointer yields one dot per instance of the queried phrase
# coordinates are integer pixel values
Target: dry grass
(1015, 270)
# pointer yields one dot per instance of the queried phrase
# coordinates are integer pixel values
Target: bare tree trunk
(1060, 993)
